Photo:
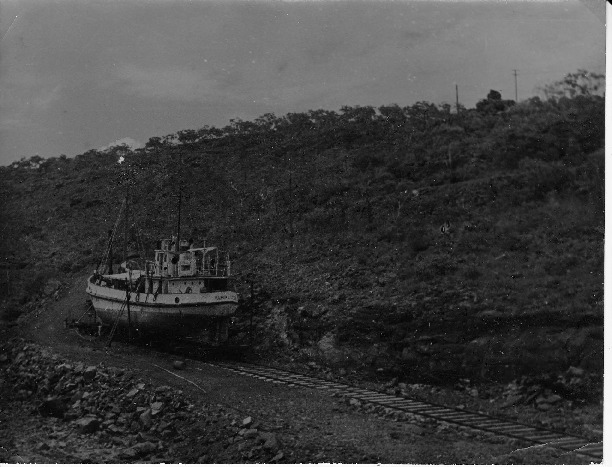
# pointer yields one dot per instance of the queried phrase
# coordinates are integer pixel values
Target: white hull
(173, 315)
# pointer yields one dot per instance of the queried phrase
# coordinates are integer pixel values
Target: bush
(366, 159)
(34, 287)
(544, 177)
(418, 240)
(11, 311)
(319, 218)
(472, 273)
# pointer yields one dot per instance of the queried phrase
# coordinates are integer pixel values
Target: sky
(77, 75)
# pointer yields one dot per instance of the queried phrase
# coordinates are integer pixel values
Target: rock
(142, 436)
(132, 393)
(3, 358)
(278, 457)
(88, 424)
(392, 383)
(144, 448)
(145, 418)
(573, 371)
(513, 400)
(156, 407)
(61, 368)
(53, 407)
(548, 399)
(51, 287)
(250, 433)
(76, 397)
(115, 429)
(89, 374)
(247, 422)
(118, 440)
(42, 446)
(270, 443)
(128, 453)
(179, 364)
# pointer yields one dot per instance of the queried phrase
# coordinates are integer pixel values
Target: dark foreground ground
(68, 399)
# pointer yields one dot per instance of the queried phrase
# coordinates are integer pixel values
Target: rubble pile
(106, 414)
(574, 386)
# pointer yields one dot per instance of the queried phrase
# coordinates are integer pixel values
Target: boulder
(328, 349)
(270, 443)
(144, 448)
(51, 287)
(53, 407)
(146, 419)
(573, 371)
(179, 364)
(88, 424)
(89, 374)
(128, 454)
(156, 407)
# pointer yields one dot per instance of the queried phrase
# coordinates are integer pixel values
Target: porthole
(176, 300)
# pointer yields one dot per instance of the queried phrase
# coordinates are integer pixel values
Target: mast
(178, 227)
(180, 196)
(127, 210)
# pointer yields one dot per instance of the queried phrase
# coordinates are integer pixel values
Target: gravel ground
(145, 410)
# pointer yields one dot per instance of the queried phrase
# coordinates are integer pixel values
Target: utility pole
(515, 85)
(291, 233)
(457, 96)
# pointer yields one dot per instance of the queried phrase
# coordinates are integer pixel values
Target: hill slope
(429, 244)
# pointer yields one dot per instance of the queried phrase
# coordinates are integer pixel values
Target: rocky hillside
(418, 242)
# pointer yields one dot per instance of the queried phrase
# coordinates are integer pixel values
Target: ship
(184, 291)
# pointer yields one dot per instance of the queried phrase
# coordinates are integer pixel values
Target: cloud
(22, 108)
(176, 84)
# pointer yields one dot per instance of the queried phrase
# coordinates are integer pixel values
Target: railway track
(532, 435)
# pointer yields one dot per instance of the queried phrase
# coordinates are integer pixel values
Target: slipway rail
(533, 435)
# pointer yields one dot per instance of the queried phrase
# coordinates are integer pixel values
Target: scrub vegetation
(424, 241)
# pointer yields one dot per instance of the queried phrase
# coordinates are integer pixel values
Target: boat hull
(200, 315)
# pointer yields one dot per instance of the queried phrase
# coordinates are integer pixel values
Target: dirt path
(310, 425)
